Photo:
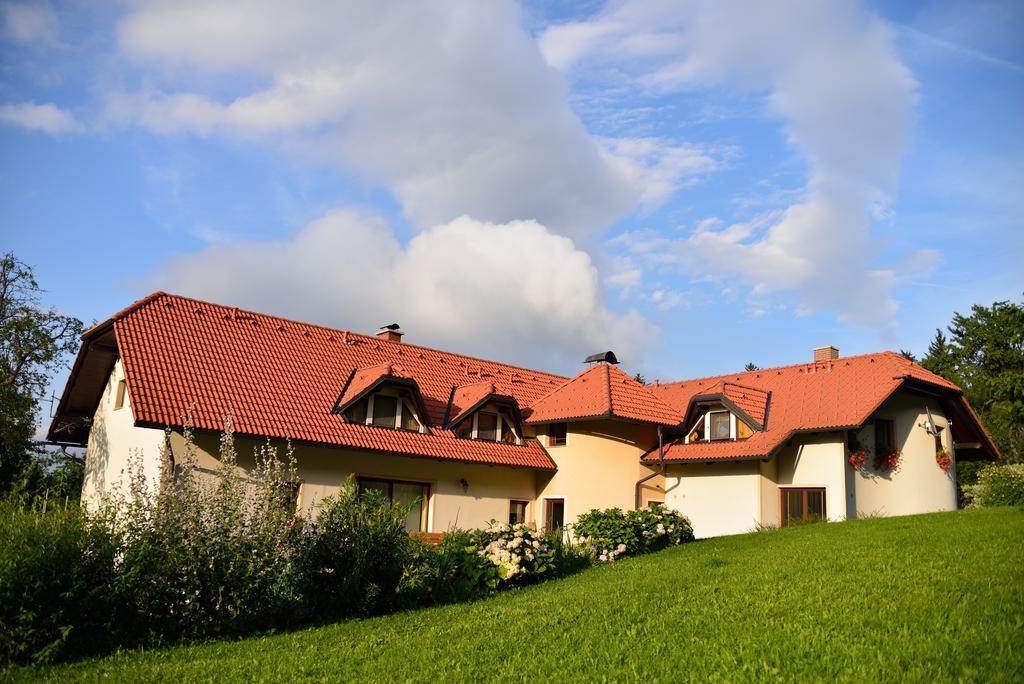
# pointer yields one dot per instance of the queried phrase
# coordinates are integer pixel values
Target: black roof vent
(603, 357)
(393, 326)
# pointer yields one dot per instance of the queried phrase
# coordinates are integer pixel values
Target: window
(885, 439)
(802, 505)
(122, 387)
(557, 433)
(697, 433)
(516, 512)
(554, 514)
(415, 495)
(508, 431)
(720, 425)
(938, 440)
(385, 410)
(357, 414)
(487, 426)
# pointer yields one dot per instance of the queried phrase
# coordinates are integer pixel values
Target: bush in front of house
(56, 569)
(998, 485)
(354, 554)
(202, 555)
(447, 572)
(611, 534)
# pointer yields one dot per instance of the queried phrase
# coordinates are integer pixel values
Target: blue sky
(694, 185)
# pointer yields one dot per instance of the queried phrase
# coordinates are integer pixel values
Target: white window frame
(706, 418)
(403, 405)
(503, 424)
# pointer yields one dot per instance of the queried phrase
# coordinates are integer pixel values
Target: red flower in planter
(943, 459)
(859, 459)
(889, 461)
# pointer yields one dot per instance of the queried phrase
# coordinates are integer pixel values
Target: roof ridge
(404, 345)
(722, 376)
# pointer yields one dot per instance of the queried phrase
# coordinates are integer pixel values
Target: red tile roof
(841, 393)
(602, 391)
(469, 397)
(280, 378)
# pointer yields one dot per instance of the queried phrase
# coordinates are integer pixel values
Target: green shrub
(447, 572)
(611, 534)
(202, 556)
(355, 553)
(56, 572)
(998, 485)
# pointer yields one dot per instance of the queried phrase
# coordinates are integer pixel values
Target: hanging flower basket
(859, 459)
(887, 462)
(943, 459)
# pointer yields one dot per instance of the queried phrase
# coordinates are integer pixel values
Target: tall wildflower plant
(206, 553)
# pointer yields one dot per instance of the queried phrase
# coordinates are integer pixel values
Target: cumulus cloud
(831, 73)
(45, 118)
(513, 291)
(449, 105)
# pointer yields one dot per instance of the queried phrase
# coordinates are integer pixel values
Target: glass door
(554, 514)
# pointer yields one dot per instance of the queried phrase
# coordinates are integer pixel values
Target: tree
(751, 366)
(984, 354)
(908, 355)
(940, 357)
(34, 342)
(640, 378)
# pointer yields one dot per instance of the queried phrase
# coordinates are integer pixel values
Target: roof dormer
(726, 411)
(382, 396)
(479, 411)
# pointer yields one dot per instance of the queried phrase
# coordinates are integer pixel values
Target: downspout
(660, 471)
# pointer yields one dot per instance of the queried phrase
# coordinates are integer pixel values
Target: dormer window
(720, 422)
(715, 424)
(490, 426)
(386, 410)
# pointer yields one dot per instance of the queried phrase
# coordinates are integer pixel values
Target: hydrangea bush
(611, 534)
(517, 552)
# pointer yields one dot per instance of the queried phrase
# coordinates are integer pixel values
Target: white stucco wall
(918, 485)
(113, 440)
(813, 460)
(719, 498)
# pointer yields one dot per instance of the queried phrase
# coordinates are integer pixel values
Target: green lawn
(927, 598)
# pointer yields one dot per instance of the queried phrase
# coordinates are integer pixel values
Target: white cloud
(831, 73)
(660, 168)
(449, 105)
(32, 23)
(45, 118)
(512, 291)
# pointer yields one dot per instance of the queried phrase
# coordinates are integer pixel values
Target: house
(465, 440)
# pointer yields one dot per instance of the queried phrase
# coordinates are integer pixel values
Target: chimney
(390, 333)
(828, 353)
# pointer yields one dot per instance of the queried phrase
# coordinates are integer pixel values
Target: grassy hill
(934, 597)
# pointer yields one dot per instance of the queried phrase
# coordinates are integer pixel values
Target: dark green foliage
(984, 354)
(751, 366)
(355, 553)
(447, 572)
(930, 598)
(34, 342)
(56, 571)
